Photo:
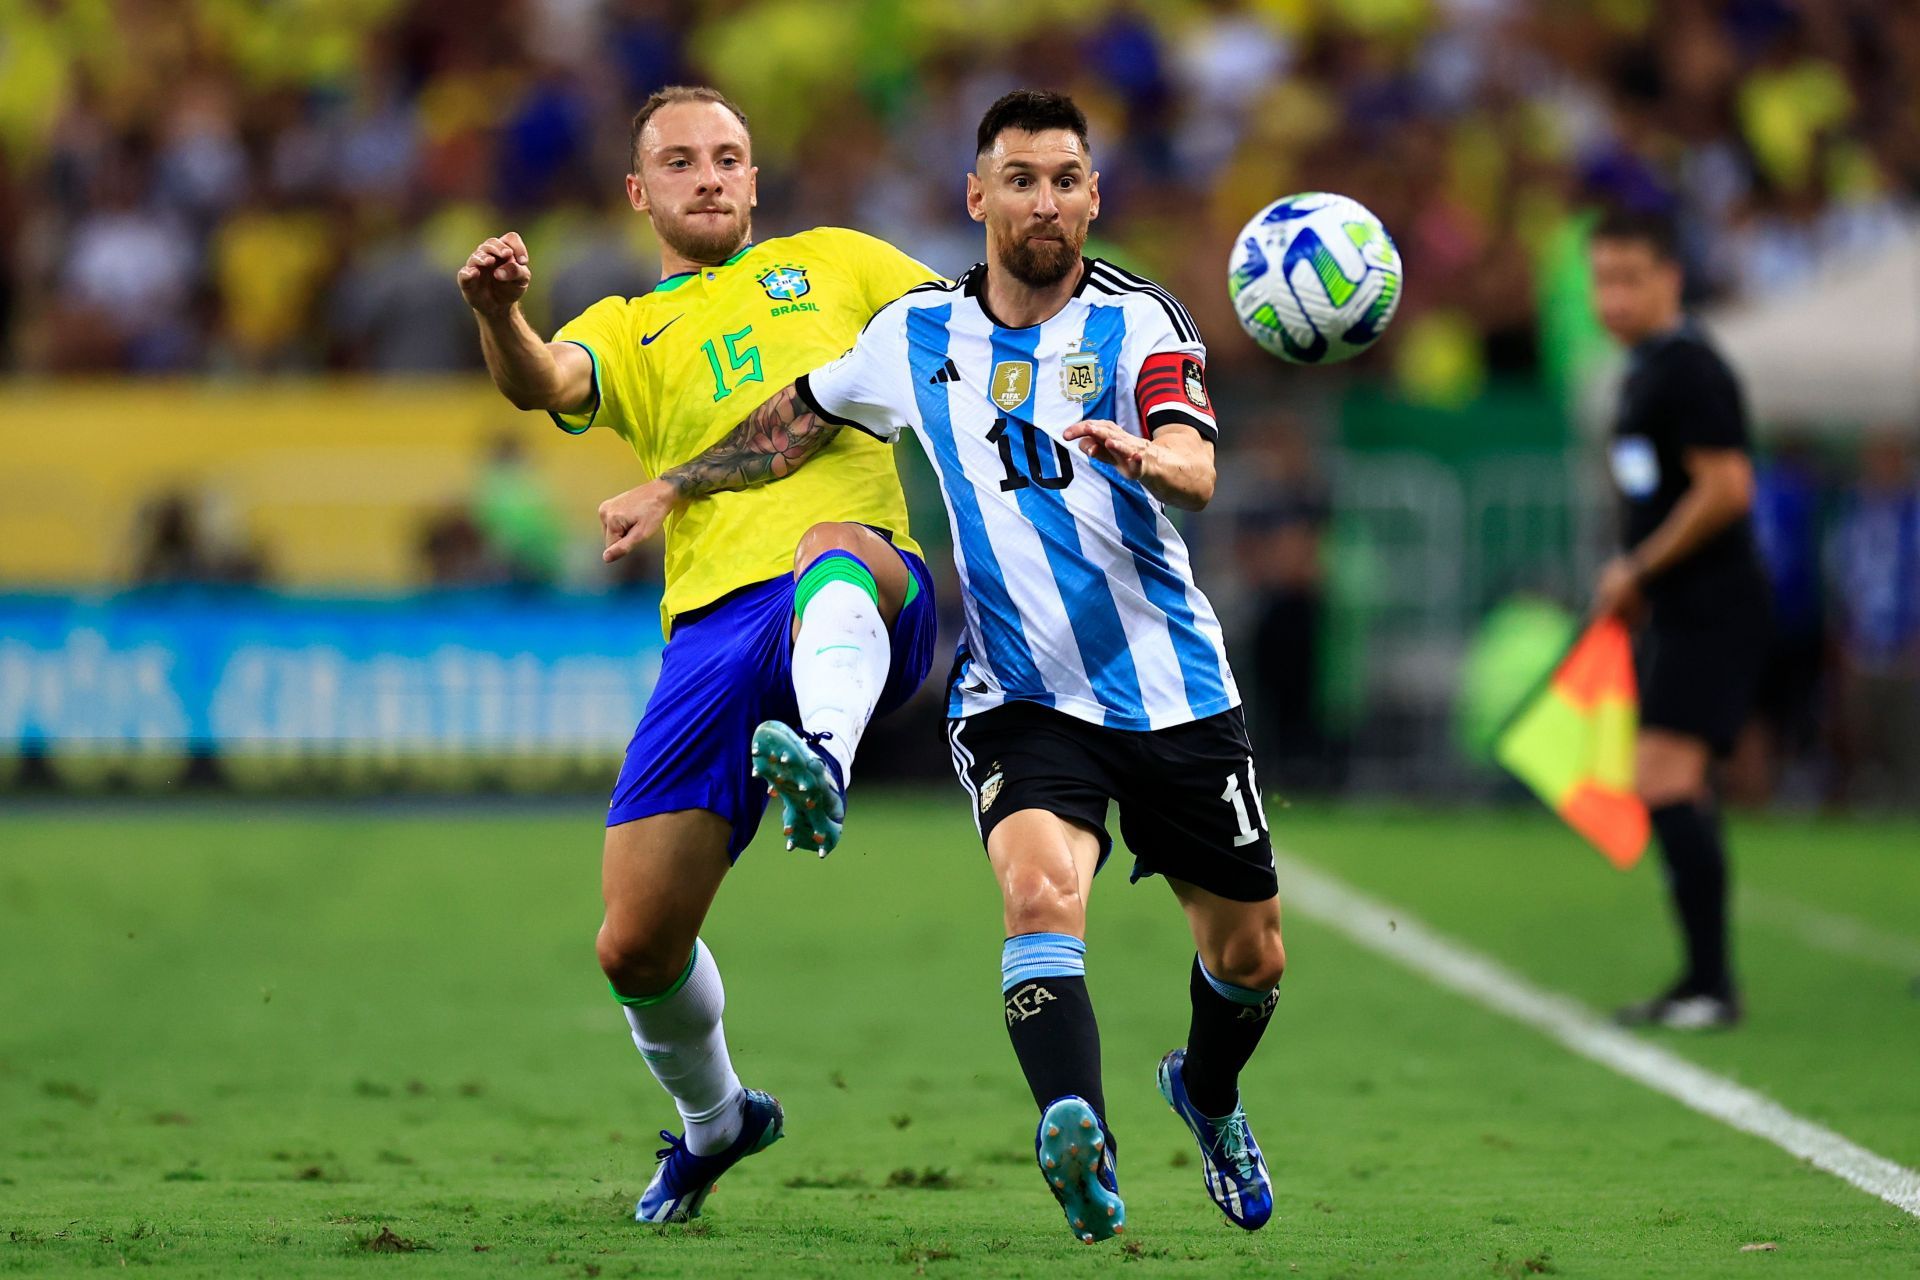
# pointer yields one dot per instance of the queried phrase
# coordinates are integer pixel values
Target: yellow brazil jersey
(677, 369)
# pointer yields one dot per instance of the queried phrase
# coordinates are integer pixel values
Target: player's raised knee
(637, 965)
(830, 535)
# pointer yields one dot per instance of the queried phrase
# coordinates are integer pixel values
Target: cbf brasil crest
(786, 283)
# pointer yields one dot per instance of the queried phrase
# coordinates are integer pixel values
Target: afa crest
(990, 789)
(786, 283)
(1081, 377)
(1193, 384)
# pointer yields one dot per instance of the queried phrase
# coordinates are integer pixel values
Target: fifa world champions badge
(1012, 383)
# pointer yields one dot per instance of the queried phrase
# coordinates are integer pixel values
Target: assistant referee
(1689, 580)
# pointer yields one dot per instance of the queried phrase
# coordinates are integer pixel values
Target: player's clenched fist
(634, 516)
(496, 275)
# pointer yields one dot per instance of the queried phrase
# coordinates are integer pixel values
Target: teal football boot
(812, 799)
(1076, 1158)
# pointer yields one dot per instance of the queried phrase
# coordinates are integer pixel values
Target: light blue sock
(1228, 991)
(1028, 956)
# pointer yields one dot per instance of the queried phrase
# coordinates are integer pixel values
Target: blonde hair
(667, 97)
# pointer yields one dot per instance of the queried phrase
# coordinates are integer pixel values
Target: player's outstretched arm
(775, 439)
(530, 372)
(1176, 465)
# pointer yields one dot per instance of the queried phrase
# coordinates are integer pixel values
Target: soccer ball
(1314, 278)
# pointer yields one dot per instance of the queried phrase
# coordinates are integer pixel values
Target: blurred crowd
(227, 185)
(1841, 690)
(232, 187)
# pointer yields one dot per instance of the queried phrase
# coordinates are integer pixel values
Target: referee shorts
(1700, 678)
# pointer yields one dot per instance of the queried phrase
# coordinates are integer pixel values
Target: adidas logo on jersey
(947, 372)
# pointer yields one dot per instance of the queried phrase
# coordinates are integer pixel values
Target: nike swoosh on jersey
(657, 332)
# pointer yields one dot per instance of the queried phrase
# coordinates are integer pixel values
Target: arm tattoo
(777, 437)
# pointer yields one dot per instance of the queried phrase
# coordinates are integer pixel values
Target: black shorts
(1700, 680)
(1188, 797)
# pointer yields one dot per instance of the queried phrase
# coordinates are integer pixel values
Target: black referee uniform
(1699, 655)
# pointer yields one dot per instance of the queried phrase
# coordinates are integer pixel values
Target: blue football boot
(807, 780)
(1077, 1160)
(683, 1180)
(1230, 1160)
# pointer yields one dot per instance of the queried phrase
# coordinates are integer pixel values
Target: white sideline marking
(1832, 932)
(1398, 936)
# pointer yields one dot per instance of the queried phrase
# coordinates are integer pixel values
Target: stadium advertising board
(419, 684)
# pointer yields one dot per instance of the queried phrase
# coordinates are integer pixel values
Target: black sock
(1220, 1039)
(1050, 1021)
(1697, 876)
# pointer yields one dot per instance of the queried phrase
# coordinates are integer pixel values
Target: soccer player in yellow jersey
(1091, 672)
(806, 605)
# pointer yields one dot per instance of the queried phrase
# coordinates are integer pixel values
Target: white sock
(680, 1036)
(840, 662)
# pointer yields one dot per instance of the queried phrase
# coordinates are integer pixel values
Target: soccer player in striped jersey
(808, 607)
(1091, 670)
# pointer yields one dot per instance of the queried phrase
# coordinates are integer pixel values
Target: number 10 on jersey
(1035, 474)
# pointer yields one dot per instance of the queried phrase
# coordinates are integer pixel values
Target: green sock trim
(833, 568)
(641, 1002)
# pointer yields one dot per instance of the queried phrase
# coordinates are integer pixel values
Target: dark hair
(1030, 110)
(1641, 226)
(667, 97)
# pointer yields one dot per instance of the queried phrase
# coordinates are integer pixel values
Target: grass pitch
(328, 1042)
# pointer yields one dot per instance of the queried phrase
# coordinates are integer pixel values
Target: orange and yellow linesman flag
(1572, 742)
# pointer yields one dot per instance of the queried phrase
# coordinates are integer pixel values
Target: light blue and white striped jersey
(1079, 594)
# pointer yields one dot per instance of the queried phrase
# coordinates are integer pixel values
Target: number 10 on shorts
(1238, 799)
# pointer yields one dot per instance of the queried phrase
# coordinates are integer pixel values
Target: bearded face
(695, 180)
(1038, 194)
(1045, 255)
(703, 230)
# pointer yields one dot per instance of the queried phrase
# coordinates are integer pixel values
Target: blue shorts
(727, 667)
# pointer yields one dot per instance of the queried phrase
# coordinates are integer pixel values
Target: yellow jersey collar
(679, 278)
